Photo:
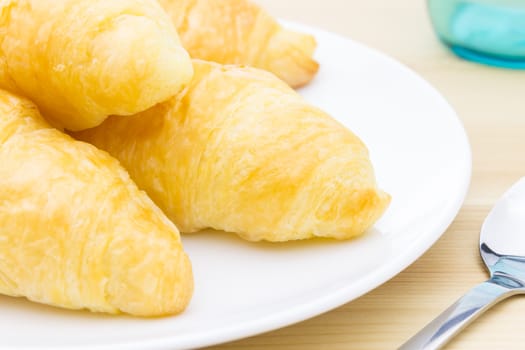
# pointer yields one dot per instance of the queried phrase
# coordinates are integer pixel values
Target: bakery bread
(240, 32)
(240, 151)
(75, 231)
(83, 60)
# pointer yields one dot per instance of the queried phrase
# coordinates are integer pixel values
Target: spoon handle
(438, 332)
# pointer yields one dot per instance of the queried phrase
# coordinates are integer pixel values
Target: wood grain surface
(490, 103)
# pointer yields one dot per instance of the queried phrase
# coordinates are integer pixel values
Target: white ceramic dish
(422, 158)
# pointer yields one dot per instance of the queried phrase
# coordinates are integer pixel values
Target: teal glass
(486, 31)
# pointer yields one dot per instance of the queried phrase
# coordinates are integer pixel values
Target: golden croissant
(82, 60)
(75, 231)
(240, 151)
(240, 32)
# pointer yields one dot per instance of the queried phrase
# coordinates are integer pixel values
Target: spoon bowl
(502, 248)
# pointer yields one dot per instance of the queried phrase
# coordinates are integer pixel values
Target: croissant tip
(293, 57)
(311, 68)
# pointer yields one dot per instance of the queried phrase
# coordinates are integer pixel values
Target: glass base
(479, 57)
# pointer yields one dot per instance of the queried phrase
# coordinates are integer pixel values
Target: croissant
(240, 32)
(82, 60)
(240, 151)
(75, 231)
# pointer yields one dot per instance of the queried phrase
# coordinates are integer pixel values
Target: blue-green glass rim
(477, 56)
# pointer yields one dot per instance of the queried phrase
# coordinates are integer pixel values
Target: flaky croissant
(240, 151)
(82, 60)
(240, 32)
(75, 231)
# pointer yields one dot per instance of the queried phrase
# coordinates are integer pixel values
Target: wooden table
(490, 102)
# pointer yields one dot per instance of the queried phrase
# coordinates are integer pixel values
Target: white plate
(422, 158)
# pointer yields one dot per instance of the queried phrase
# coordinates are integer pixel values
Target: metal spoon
(502, 247)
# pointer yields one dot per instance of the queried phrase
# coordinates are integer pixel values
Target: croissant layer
(82, 60)
(75, 231)
(241, 151)
(240, 32)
